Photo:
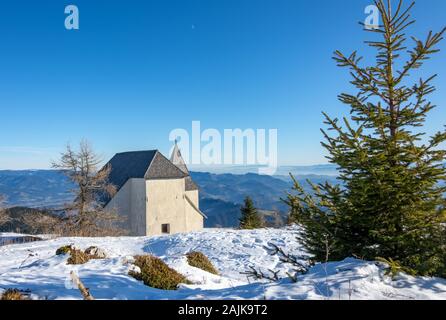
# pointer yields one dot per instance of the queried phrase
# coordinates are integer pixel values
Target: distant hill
(266, 191)
(221, 195)
(321, 169)
(220, 213)
(35, 188)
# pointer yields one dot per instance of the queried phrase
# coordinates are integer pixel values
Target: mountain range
(221, 195)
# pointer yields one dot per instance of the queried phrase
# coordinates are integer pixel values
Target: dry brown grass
(156, 273)
(199, 260)
(12, 294)
(76, 256)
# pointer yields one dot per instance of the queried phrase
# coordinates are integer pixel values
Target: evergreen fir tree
(391, 203)
(250, 217)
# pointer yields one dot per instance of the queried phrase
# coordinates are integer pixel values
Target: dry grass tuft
(78, 256)
(12, 294)
(199, 260)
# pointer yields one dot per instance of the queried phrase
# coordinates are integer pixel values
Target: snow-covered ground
(35, 267)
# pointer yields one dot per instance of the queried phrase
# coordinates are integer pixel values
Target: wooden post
(84, 291)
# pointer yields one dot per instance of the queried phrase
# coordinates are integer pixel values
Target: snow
(34, 266)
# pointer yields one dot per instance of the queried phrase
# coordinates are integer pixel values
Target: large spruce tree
(390, 203)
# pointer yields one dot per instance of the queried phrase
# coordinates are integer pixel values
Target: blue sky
(138, 69)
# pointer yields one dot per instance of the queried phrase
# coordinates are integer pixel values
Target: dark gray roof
(139, 164)
(129, 165)
(162, 168)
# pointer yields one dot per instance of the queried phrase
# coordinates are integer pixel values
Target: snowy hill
(35, 266)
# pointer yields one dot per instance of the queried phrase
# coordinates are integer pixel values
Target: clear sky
(138, 69)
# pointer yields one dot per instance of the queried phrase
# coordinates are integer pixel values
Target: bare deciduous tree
(86, 216)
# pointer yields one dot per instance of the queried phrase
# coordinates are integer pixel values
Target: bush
(12, 294)
(78, 256)
(64, 250)
(157, 274)
(199, 260)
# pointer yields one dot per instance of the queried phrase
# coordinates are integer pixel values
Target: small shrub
(64, 250)
(156, 273)
(78, 256)
(199, 260)
(12, 294)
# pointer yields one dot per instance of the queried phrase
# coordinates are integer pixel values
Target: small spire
(177, 159)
